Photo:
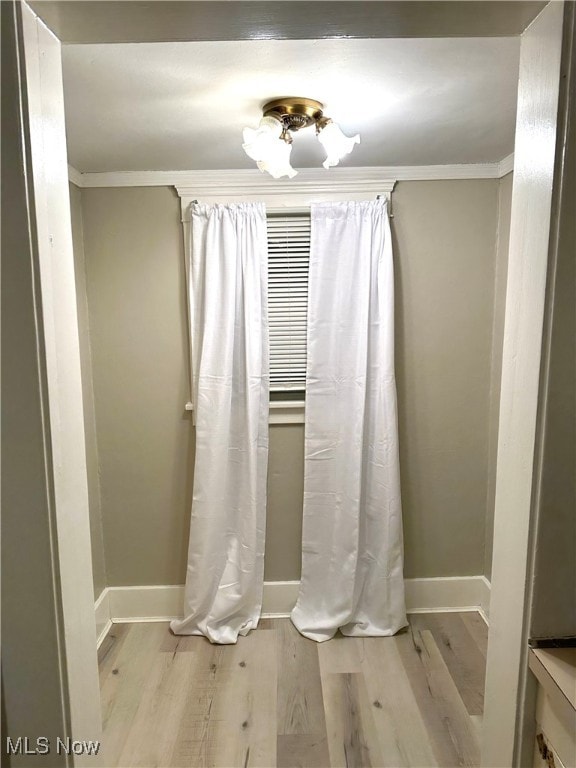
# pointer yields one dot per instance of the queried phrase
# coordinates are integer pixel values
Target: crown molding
(239, 181)
(506, 165)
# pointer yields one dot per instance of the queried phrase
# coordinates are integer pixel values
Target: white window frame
(311, 186)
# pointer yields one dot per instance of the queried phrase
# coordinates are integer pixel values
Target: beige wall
(500, 274)
(445, 254)
(136, 298)
(445, 238)
(285, 493)
(96, 534)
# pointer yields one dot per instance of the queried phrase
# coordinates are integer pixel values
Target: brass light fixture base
(294, 112)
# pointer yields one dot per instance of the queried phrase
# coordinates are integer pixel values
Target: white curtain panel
(352, 552)
(229, 338)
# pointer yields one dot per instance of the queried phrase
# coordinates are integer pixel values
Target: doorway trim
(71, 539)
(514, 514)
(531, 204)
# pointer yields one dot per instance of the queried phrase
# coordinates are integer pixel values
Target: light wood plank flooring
(278, 700)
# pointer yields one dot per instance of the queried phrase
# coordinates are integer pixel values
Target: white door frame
(531, 202)
(514, 514)
(71, 540)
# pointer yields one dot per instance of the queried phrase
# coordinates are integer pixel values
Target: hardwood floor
(278, 699)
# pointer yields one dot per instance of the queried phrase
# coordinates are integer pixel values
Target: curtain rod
(378, 197)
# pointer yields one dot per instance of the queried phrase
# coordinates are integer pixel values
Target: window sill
(286, 412)
(281, 411)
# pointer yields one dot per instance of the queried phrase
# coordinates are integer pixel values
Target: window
(288, 259)
(289, 244)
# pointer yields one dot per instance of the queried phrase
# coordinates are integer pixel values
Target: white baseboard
(484, 607)
(146, 603)
(102, 615)
(448, 593)
(163, 603)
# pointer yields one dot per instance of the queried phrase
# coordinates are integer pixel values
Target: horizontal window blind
(288, 260)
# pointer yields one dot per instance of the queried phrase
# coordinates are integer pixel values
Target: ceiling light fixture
(271, 143)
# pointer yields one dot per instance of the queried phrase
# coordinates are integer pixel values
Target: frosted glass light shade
(336, 144)
(277, 162)
(272, 154)
(257, 142)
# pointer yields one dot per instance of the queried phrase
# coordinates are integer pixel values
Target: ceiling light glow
(270, 144)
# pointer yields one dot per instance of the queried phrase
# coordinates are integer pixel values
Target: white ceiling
(182, 106)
